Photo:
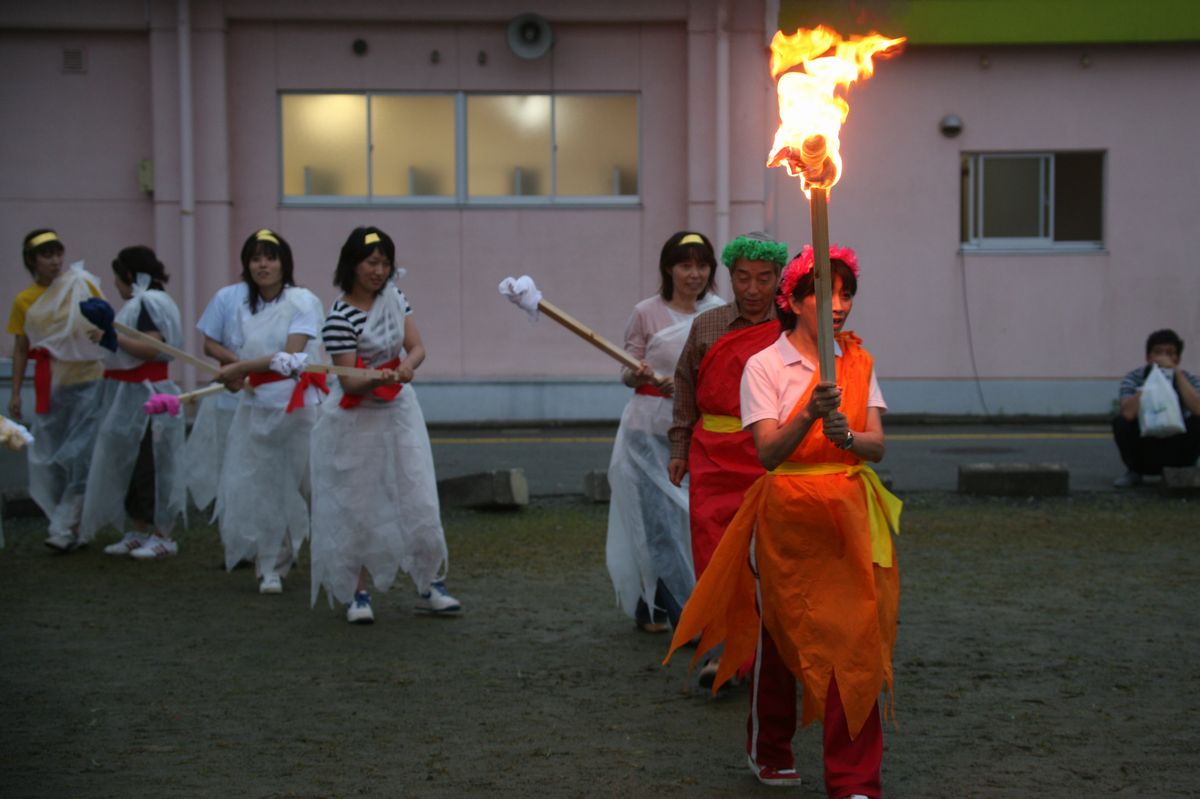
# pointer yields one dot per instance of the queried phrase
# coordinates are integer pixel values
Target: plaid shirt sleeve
(684, 411)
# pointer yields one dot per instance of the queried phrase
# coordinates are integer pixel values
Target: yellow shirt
(22, 302)
(65, 372)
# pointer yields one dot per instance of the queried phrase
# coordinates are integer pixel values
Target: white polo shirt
(776, 378)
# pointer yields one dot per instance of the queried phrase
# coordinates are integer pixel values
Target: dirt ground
(1046, 649)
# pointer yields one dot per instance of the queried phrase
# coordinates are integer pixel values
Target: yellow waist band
(883, 507)
(715, 423)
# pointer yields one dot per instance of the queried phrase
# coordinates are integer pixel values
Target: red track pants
(851, 766)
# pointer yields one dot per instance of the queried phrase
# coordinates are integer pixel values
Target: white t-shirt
(220, 320)
(776, 378)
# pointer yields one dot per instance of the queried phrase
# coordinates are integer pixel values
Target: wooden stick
(342, 371)
(592, 337)
(823, 280)
(164, 347)
(201, 393)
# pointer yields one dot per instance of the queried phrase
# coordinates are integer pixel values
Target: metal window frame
(977, 239)
(462, 197)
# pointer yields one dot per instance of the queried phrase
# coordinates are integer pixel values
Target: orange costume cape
(722, 461)
(830, 585)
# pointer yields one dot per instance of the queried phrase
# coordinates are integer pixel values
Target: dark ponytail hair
(132, 261)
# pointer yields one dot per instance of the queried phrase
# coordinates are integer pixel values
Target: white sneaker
(437, 601)
(359, 611)
(126, 545)
(271, 584)
(156, 547)
(62, 542)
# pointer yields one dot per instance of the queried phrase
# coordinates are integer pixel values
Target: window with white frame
(1036, 201)
(459, 148)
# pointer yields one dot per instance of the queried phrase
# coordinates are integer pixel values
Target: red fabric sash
(153, 371)
(722, 466)
(42, 378)
(306, 379)
(314, 379)
(649, 390)
(385, 393)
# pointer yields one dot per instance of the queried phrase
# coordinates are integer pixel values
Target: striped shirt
(345, 323)
(1132, 383)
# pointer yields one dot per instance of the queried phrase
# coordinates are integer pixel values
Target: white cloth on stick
(523, 292)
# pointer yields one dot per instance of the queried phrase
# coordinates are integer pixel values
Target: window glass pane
(508, 145)
(1078, 186)
(324, 145)
(412, 146)
(1012, 206)
(964, 197)
(596, 145)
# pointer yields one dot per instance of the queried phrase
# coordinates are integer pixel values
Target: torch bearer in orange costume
(809, 67)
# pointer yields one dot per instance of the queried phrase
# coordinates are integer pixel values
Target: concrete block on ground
(1014, 479)
(596, 487)
(1183, 480)
(501, 488)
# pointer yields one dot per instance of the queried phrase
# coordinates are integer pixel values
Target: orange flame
(810, 111)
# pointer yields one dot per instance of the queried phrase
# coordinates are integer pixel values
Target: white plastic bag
(1159, 414)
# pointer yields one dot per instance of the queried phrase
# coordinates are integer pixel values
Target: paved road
(920, 457)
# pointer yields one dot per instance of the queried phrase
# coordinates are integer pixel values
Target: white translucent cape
(649, 535)
(375, 501)
(123, 424)
(63, 438)
(262, 492)
(204, 452)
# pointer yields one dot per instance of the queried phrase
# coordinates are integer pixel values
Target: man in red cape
(707, 440)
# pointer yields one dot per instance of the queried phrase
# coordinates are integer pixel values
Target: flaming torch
(809, 67)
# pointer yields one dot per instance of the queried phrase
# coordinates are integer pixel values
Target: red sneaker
(768, 775)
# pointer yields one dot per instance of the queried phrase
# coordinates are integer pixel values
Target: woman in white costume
(49, 328)
(649, 551)
(375, 504)
(262, 495)
(220, 324)
(136, 473)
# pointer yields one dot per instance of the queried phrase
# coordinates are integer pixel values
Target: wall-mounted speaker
(529, 36)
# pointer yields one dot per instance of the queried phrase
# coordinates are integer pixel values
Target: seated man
(1143, 456)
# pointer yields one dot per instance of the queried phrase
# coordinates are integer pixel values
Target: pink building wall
(1050, 332)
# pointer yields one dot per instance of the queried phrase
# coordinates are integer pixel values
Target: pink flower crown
(802, 264)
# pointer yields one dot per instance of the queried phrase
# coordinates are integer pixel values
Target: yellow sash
(883, 507)
(715, 423)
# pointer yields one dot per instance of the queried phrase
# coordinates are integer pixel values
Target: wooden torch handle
(342, 371)
(823, 280)
(201, 393)
(591, 336)
(163, 346)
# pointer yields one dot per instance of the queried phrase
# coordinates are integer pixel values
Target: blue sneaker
(437, 601)
(359, 611)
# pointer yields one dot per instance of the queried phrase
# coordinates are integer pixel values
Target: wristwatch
(849, 442)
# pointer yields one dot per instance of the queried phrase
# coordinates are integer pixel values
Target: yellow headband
(267, 235)
(371, 238)
(691, 238)
(40, 239)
